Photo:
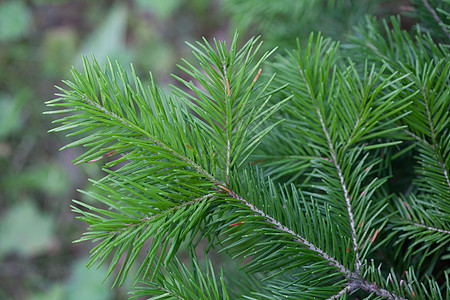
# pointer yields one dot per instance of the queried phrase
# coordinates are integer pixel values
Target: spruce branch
(316, 91)
(353, 279)
(230, 98)
(343, 186)
(341, 178)
(172, 170)
(422, 217)
(184, 174)
(297, 238)
(433, 130)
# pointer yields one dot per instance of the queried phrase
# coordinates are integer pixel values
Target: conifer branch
(151, 138)
(366, 286)
(186, 177)
(283, 228)
(344, 188)
(435, 145)
(354, 278)
(339, 172)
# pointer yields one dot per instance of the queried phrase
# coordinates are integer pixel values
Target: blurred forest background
(40, 40)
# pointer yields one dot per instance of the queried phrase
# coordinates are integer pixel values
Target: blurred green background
(39, 42)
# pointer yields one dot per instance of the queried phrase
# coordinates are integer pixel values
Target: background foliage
(40, 40)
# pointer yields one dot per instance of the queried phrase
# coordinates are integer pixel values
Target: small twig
(158, 142)
(436, 17)
(228, 146)
(339, 173)
(145, 219)
(431, 228)
(344, 188)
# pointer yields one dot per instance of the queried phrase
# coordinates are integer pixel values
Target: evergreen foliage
(280, 24)
(297, 177)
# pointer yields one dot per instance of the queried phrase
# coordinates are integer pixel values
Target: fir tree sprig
(423, 216)
(179, 172)
(175, 162)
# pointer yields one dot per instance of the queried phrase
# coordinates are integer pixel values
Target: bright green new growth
(305, 214)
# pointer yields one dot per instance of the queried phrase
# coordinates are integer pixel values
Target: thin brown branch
(283, 228)
(436, 17)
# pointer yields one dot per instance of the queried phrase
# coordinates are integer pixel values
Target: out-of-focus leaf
(160, 9)
(56, 292)
(50, 179)
(87, 284)
(15, 20)
(43, 2)
(59, 48)
(161, 59)
(10, 119)
(109, 37)
(25, 230)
